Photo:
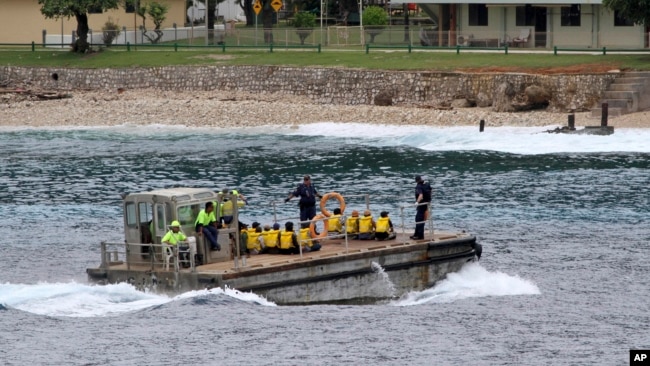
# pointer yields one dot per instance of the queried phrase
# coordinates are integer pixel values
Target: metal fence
(334, 36)
(397, 37)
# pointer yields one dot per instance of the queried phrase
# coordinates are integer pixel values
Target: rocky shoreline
(240, 109)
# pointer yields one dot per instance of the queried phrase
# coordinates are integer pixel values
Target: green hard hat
(175, 223)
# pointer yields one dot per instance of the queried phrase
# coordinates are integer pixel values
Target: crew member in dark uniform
(422, 198)
(308, 194)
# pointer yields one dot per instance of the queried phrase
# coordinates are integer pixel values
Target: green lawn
(349, 58)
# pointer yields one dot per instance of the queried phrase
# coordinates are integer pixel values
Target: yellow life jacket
(253, 242)
(382, 225)
(271, 238)
(334, 224)
(286, 240)
(305, 237)
(227, 208)
(250, 231)
(352, 225)
(365, 224)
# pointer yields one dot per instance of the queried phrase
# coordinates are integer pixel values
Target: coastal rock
(503, 96)
(384, 98)
(461, 103)
(483, 100)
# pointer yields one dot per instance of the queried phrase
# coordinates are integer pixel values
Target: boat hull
(380, 271)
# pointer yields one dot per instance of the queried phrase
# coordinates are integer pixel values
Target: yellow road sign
(257, 7)
(276, 5)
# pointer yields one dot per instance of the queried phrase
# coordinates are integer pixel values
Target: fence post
(506, 48)
(33, 46)
(409, 46)
(457, 49)
(223, 47)
(604, 51)
(175, 47)
(45, 36)
(367, 48)
(271, 47)
(319, 48)
(128, 46)
(555, 50)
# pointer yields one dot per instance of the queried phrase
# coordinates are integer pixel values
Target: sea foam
(471, 281)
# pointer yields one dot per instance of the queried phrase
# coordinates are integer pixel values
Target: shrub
(373, 16)
(110, 31)
(304, 19)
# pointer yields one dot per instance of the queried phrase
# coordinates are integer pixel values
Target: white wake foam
(79, 300)
(471, 281)
(515, 140)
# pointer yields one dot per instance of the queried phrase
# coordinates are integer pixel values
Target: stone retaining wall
(334, 86)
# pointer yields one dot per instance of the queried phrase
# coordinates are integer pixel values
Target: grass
(351, 58)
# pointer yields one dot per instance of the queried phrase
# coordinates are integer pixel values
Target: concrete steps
(629, 93)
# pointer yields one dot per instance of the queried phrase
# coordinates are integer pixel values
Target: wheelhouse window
(146, 212)
(131, 217)
(621, 21)
(571, 16)
(187, 214)
(478, 14)
(160, 217)
(525, 16)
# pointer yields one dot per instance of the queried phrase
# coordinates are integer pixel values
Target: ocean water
(563, 220)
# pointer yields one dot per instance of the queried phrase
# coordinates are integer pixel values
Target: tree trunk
(247, 6)
(406, 23)
(267, 21)
(81, 44)
(211, 7)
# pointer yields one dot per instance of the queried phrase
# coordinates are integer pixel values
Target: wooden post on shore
(603, 115)
(572, 122)
(481, 126)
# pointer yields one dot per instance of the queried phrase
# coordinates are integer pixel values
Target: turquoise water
(563, 221)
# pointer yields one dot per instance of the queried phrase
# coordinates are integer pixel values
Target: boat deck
(329, 248)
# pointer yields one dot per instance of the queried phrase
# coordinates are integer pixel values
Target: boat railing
(428, 219)
(153, 257)
(403, 225)
(329, 235)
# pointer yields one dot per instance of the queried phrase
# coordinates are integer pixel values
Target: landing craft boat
(344, 270)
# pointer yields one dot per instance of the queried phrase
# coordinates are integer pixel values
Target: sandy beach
(238, 109)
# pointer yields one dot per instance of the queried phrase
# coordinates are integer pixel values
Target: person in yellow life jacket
(206, 225)
(384, 228)
(366, 226)
(335, 223)
(352, 225)
(255, 241)
(271, 239)
(308, 245)
(288, 240)
(226, 210)
(175, 237)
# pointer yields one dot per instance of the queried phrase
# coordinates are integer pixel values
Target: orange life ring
(326, 197)
(312, 227)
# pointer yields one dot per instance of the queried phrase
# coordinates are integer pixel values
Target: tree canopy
(55, 9)
(637, 11)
